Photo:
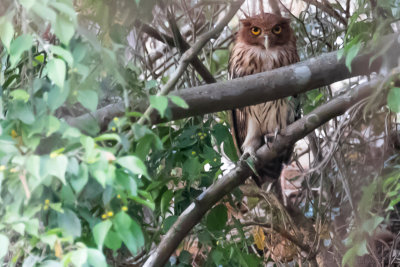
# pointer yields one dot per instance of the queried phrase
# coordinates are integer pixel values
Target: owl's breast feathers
(248, 59)
(250, 124)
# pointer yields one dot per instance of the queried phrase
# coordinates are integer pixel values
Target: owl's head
(266, 30)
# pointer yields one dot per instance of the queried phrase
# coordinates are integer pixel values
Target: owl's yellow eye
(256, 31)
(277, 29)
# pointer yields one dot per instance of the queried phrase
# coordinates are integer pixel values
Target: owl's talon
(271, 137)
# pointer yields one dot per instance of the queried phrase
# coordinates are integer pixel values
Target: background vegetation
(96, 190)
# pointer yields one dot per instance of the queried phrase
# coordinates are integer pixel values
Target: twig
(328, 9)
(280, 230)
(195, 62)
(22, 177)
(275, 7)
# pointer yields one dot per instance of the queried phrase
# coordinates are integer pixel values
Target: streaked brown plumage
(264, 42)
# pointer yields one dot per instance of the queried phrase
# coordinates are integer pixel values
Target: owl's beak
(266, 42)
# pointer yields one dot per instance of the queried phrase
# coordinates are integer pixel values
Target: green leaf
(32, 227)
(20, 95)
(65, 54)
(100, 176)
(100, 232)
(340, 54)
(64, 28)
(250, 162)
(49, 239)
(78, 257)
(393, 99)
(371, 224)
(217, 218)
(4, 242)
(179, 101)
(56, 71)
(57, 96)
(88, 144)
(33, 166)
(96, 258)
(192, 167)
(79, 181)
(133, 164)
(185, 257)
(27, 3)
(22, 111)
(362, 248)
(144, 145)
(147, 203)
(88, 99)
(230, 149)
(41, 9)
(57, 207)
(140, 130)
(6, 33)
(65, 7)
(112, 240)
(160, 103)
(57, 166)
(168, 222)
(49, 263)
(150, 84)
(126, 182)
(351, 54)
(19, 46)
(165, 201)
(217, 256)
(108, 136)
(53, 124)
(129, 232)
(71, 133)
(70, 223)
(19, 228)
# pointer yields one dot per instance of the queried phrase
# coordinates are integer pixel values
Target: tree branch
(275, 7)
(195, 62)
(192, 53)
(258, 88)
(327, 8)
(297, 130)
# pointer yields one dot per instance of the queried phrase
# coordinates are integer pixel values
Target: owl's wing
(239, 127)
(237, 119)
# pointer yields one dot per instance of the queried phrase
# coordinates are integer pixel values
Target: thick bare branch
(299, 129)
(254, 89)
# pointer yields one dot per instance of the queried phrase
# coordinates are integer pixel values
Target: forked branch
(297, 130)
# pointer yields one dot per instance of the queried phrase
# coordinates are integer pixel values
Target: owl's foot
(249, 158)
(271, 137)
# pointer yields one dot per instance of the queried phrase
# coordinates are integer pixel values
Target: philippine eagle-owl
(264, 42)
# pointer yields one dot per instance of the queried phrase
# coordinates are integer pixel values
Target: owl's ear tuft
(245, 22)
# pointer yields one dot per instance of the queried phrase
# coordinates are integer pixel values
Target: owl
(264, 42)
